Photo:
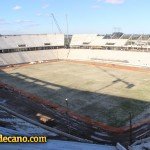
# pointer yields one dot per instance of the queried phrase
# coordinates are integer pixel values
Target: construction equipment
(57, 25)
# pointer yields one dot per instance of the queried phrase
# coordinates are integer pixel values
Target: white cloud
(112, 1)
(33, 25)
(47, 15)
(26, 23)
(23, 21)
(96, 6)
(17, 7)
(45, 6)
(39, 14)
(3, 21)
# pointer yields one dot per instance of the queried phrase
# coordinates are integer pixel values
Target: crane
(58, 27)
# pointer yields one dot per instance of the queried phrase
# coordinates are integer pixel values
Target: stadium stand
(139, 59)
(108, 43)
(129, 58)
(96, 43)
(11, 43)
(123, 42)
(18, 49)
(82, 40)
(27, 57)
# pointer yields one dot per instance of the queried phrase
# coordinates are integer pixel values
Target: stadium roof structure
(126, 36)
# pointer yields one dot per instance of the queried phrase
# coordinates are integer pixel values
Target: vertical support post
(68, 123)
(130, 116)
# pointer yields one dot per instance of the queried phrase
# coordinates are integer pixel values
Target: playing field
(105, 94)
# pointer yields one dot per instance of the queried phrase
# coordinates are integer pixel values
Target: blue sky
(84, 16)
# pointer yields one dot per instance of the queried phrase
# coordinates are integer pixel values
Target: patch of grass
(120, 116)
(133, 106)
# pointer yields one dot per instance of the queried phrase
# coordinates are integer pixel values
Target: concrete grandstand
(100, 71)
(124, 42)
(9, 43)
(95, 45)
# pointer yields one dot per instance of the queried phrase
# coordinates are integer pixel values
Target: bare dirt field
(103, 93)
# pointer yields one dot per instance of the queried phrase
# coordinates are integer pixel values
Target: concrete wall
(122, 57)
(27, 57)
(141, 59)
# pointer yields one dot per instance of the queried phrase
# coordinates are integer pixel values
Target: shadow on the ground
(110, 109)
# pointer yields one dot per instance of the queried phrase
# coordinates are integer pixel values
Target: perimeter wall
(129, 58)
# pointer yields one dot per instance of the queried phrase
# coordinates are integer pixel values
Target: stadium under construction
(93, 88)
